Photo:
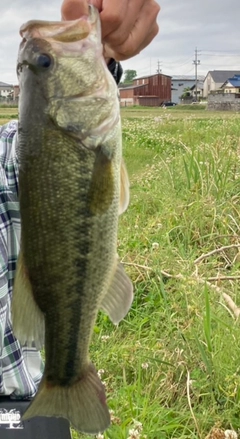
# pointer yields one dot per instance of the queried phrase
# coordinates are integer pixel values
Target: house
(180, 84)
(232, 85)
(215, 79)
(199, 90)
(151, 90)
(227, 98)
(5, 89)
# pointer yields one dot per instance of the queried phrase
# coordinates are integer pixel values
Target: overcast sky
(210, 25)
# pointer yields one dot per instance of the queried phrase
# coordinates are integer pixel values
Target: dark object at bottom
(11, 426)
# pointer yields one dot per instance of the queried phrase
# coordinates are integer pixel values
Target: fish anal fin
(27, 318)
(124, 189)
(83, 403)
(118, 299)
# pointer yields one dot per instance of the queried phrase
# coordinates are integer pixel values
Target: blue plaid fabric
(20, 367)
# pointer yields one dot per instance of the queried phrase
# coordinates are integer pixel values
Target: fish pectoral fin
(27, 318)
(82, 403)
(117, 302)
(124, 189)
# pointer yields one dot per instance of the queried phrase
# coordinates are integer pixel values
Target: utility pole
(196, 62)
(159, 70)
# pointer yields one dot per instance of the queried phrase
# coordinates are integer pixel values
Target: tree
(186, 93)
(129, 75)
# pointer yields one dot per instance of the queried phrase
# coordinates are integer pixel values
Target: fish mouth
(62, 31)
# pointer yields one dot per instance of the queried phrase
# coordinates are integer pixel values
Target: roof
(150, 76)
(199, 85)
(3, 84)
(148, 96)
(130, 87)
(186, 78)
(234, 81)
(221, 76)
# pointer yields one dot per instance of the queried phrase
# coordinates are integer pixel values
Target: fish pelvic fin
(124, 189)
(27, 318)
(117, 302)
(83, 403)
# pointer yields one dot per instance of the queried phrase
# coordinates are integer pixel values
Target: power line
(188, 71)
(177, 64)
(221, 51)
(181, 60)
(220, 55)
(223, 66)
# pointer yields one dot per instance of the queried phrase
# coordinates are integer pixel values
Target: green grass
(174, 363)
(185, 192)
(191, 107)
(4, 106)
(7, 112)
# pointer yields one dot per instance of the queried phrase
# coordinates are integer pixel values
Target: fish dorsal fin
(117, 302)
(124, 189)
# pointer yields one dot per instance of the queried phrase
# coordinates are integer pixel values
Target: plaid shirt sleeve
(20, 367)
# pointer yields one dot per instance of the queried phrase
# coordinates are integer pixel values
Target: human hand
(128, 26)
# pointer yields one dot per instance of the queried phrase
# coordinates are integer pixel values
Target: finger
(129, 48)
(143, 10)
(118, 14)
(74, 9)
(142, 34)
(130, 51)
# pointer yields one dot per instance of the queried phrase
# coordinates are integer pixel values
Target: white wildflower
(138, 425)
(145, 365)
(104, 338)
(100, 373)
(114, 419)
(158, 119)
(99, 436)
(133, 434)
(230, 434)
(155, 245)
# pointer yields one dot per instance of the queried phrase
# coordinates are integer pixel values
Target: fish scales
(73, 185)
(78, 265)
(80, 255)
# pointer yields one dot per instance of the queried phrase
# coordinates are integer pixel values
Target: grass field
(172, 367)
(7, 113)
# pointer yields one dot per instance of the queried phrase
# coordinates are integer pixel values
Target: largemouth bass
(72, 186)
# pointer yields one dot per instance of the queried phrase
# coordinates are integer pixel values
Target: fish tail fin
(83, 403)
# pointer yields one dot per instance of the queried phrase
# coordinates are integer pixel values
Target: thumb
(74, 9)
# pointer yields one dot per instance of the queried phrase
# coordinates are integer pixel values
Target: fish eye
(44, 60)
